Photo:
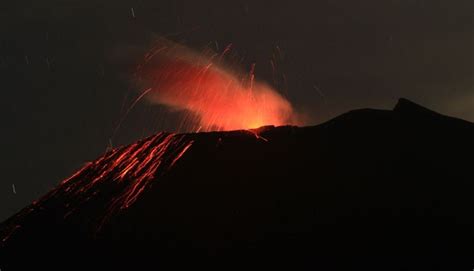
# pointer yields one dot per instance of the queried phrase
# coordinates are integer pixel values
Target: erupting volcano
(217, 97)
(329, 197)
(183, 80)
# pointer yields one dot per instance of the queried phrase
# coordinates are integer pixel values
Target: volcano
(368, 190)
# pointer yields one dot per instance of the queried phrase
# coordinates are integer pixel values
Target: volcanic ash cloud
(220, 99)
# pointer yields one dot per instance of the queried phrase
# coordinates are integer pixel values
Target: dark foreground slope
(368, 190)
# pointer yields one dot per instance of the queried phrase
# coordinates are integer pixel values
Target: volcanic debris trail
(125, 172)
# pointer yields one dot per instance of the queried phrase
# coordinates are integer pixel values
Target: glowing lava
(218, 98)
(122, 174)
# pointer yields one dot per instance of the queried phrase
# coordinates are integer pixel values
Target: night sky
(65, 68)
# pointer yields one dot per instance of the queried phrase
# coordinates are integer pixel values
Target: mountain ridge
(370, 182)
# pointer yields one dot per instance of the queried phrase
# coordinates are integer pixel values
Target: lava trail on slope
(122, 174)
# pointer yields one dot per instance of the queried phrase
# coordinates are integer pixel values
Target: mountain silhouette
(367, 190)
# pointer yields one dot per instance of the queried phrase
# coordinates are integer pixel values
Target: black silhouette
(368, 190)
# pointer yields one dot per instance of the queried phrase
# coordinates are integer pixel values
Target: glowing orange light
(220, 99)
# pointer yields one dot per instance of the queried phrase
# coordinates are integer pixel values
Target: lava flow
(123, 173)
(219, 98)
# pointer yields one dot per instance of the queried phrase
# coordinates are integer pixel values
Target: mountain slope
(368, 190)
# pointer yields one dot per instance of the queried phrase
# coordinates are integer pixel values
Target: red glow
(122, 173)
(134, 166)
(220, 99)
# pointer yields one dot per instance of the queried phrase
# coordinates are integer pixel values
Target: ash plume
(216, 97)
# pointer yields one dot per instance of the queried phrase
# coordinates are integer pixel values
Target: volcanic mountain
(368, 190)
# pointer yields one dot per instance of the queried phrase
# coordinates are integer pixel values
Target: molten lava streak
(218, 98)
(135, 166)
(123, 174)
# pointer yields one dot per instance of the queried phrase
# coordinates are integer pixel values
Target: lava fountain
(218, 98)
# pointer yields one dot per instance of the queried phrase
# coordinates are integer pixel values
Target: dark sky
(65, 67)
